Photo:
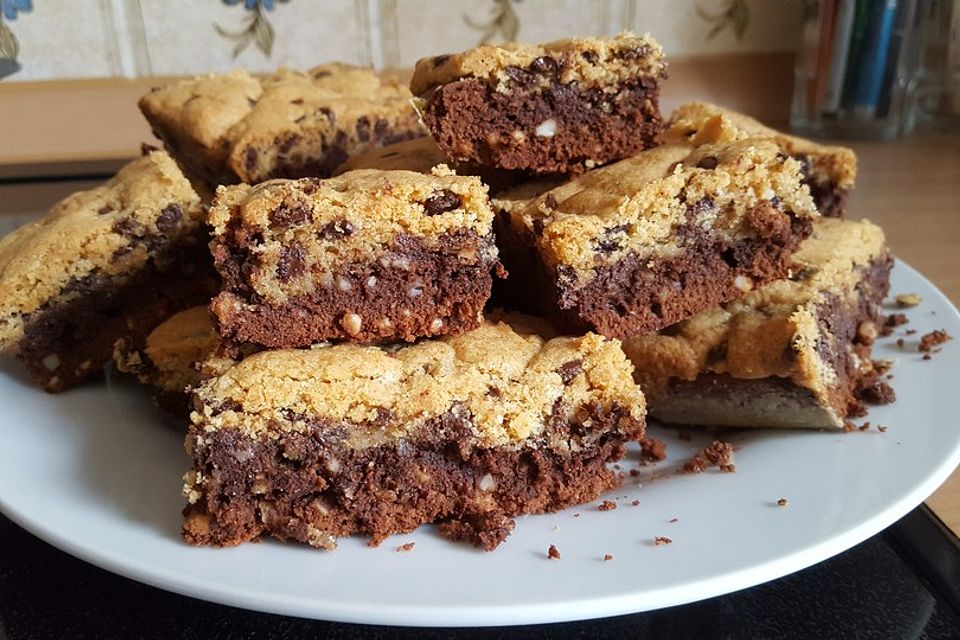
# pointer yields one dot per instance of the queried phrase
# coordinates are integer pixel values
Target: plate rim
(487, 615)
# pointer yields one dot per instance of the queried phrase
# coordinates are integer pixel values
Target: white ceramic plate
(96, 471)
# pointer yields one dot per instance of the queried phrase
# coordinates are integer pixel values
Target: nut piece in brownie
(830, 171)
(422, 155)
(170, 358)
(561, 107)
(793, 353)
(467, 432)
(109, 263)
(240, 128)
(367, 255)
(648, 241)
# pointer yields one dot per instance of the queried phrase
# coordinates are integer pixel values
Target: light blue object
(870, 78)
(10, 8)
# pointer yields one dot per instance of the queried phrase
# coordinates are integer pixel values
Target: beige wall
(131, 38)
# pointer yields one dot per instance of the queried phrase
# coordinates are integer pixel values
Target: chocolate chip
(336, 230)
(297, 101)
(310, 185)
(291, 212)
(562, 93)
(608, 243)
(570, 370)
(551, 202)
(291, 262)
(440, 202)
(328, 114)
(105, 209)
(698, 207)
(518, 75)
(363, 128)
(538, 227)
(129, 228)
(286, 142)
(381, 129)
(494, 392)
(717, 354)
(544, 64)
(439, 60)
(250, 159)
(707, 162)
(169, 218)
(147, 149)
(590, 56)
(634, 53)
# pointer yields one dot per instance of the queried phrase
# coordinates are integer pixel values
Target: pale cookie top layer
(505, 383)
(173, 351)
(246, 123)
(106, 231)
(695, 120)
(773, 330)
(350, 218)
(420, 155)
(591, 62)
(636, 205)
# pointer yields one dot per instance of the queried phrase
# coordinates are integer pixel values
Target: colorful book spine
(874, 60)
(855, 55)
(841, 50)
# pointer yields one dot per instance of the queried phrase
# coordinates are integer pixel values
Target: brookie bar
(367, 255)
(170, 357)
(793, 353)
(467, 432)
(648, 241)
(830, 171)
(109, 263)
(561, 107)
(239, 128)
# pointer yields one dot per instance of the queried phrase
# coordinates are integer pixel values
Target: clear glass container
(856, 68)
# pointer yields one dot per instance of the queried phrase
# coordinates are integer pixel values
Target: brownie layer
(412, 289)
(559, 129)
(831, 200)
(310, 487)
(73, 335)
(723, 400)
(637, 295)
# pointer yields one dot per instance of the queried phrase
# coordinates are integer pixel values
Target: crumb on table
(908, 299)
(782, 502)
(407, 546)
(661, 540)
(607, 505)
(607, 557)
(553, 553)
(930, 340)
(718, 454)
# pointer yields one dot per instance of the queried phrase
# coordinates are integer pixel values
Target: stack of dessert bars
(440, 305)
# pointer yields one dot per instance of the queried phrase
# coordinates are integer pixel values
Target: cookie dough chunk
(830, 171)
(367, 255)
(561, 107)
(105, 264)
(240, 128)
(171, 356)
(466, 432)
(793, 353)
(646, 242)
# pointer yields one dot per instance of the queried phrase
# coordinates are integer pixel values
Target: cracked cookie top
(591, 62)
(641, 204)
(509, 383)
(111, 230)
